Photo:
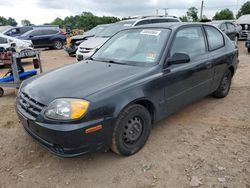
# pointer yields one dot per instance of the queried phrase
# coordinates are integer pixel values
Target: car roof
(148, 18)
(171, 25)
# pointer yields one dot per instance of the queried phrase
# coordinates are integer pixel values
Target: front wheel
(58, 45)
(225, 85)
(131, 130)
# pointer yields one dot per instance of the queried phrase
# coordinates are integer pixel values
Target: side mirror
(31, 36)
(178, 58)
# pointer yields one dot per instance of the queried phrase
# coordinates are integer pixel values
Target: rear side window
(50, 32)
(190, 41)
(36, 33)
(215, 38)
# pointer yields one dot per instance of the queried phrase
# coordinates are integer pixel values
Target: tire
(1, 92)
(57, 45)
(236, 41)
(225, 85)
(131, 130)
(248, 50)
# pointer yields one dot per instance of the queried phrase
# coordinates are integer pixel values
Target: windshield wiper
(115, 62)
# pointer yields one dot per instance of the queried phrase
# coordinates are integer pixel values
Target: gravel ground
(206, 144)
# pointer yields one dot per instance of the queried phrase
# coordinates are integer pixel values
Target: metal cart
(12, 59)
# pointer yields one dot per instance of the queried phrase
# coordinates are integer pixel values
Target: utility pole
(157, 11)
(166, 11)
(202, 7)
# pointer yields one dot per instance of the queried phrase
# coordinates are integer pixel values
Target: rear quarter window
(214, 37)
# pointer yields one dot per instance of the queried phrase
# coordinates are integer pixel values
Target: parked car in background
(16, 31)
(89, 47)
(45, 37)
(229, 28)
(24, 47)
(248, 44)
(244, 21)
(74, 41)
(140, 76)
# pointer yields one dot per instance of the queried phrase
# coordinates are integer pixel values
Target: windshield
(216, 24)
(96, 30)
(114, 28)
(134, 47)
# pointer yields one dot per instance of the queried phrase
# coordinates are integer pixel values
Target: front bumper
(68, 140)
(70, 49)
(83, 56)
(247, 44)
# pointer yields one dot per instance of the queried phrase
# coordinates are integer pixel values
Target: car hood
(93, 43)
(78, 81)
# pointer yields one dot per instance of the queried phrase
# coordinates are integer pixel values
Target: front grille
(29, 105)
(244, 27)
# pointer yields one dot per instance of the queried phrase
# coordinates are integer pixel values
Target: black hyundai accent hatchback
(137, 78)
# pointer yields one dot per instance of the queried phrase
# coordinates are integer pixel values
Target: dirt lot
(209, 141)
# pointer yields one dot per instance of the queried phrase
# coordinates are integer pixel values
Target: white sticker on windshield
(150, 32)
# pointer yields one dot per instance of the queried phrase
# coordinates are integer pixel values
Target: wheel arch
(147, 103)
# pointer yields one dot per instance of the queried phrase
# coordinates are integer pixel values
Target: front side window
(230, 26)
(190, 41)
(215, 38)
(134, 47)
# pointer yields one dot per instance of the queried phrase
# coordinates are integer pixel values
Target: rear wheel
(58, 45)
(225, 85)
(1, 92)
(131, 130)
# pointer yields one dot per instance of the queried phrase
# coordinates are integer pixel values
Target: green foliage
(192, 14)
(224, 14)
(26, 23)
(84, 21)
(245, 9)
(184, 18)
(9, 21)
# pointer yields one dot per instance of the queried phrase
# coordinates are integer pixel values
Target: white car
(89, 47)
(24, 47)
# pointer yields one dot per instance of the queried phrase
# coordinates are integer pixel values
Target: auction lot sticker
(150, 32)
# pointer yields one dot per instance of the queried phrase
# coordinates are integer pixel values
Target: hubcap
(132, 130)
(58, 45)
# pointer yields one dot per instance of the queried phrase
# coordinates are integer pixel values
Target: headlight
(67, 109)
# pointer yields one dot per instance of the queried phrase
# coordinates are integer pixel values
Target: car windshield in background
(96, 30)
(134, 47)
(216, 24)
(114, 28)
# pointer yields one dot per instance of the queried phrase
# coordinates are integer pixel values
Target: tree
(224, 14)
(245, 9)
(85, 21)
(192, 13)
(26, 23)
(59, 22)
(9, 21)
(184, 18)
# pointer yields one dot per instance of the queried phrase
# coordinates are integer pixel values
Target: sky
(45, 11)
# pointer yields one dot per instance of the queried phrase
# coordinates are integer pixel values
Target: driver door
(187, 82)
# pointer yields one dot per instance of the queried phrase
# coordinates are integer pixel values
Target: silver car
(89, 47)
